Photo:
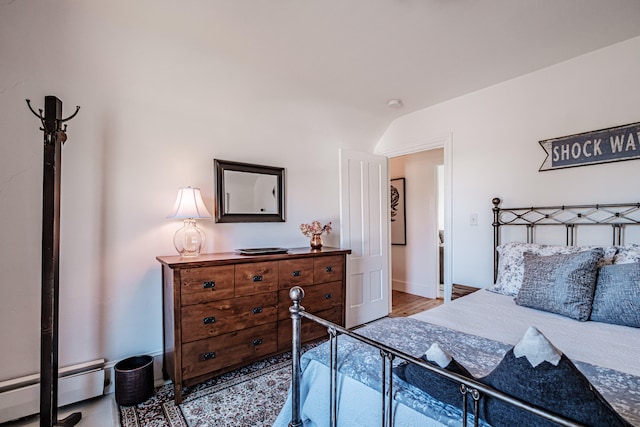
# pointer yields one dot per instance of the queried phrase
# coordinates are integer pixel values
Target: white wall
(156, 111)
(495, 150)
(414, 266)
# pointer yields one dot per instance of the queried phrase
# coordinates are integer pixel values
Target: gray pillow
(511, 262)
(561, 284)
(434, 384)
(617, 297)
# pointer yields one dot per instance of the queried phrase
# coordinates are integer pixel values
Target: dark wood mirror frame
(221, 215)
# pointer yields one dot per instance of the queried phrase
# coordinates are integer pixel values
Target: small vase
(316, 241)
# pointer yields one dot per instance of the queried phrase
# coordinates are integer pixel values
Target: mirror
(248, 193)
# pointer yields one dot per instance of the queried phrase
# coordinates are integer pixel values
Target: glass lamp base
(189, 240)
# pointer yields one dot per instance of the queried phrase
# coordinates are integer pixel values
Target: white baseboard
(20, 397)
(422, 290)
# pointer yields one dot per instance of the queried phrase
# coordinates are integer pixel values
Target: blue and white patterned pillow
(511, 267)
(617, 296)
(627, 255)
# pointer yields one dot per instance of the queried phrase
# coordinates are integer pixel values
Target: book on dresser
(222, 311)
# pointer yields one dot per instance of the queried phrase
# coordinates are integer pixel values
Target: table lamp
(189, 240)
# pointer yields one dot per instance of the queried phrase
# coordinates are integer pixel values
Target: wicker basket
(134, 380)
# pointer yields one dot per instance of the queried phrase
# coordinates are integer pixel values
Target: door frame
(446, 142)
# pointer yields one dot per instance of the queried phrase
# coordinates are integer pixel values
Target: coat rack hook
(71, 116)
(40, 116)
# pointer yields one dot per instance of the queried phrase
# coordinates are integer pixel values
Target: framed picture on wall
(397, 213)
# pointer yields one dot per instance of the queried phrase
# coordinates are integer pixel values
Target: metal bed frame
(616, 215)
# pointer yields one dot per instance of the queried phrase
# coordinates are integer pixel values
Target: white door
(364, 222)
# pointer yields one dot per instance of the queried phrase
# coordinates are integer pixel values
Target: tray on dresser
(262, 251)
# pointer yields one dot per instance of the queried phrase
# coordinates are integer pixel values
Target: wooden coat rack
(54, 136)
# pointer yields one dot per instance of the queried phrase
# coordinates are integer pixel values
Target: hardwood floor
(404, 304)
(458, 291)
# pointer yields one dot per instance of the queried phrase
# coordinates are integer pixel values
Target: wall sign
(600, 146)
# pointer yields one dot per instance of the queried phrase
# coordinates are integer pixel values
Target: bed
(362, 377)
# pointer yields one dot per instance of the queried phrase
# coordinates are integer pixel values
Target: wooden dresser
(225, 310)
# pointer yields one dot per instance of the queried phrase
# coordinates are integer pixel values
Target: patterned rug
(249, 396)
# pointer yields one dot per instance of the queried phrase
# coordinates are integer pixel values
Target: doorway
(364, 201)
(417, 256)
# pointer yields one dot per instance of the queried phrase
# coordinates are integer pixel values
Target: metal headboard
(617, 215)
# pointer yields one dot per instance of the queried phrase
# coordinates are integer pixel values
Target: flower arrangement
(315, 228)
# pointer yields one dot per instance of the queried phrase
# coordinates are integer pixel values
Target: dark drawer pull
(328, 296)
(257, 278)
(329, 269)
(209, 285)
(209, 356)
(297, 273)
(257, 341)
(209, 320)
(257, 310)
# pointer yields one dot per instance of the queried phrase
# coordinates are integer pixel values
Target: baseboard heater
(20, 397)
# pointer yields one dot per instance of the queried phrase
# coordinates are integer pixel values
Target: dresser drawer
(295, 272)
(309, 330)
(255, 278)
(219, 317)
(212, 354)
(206, 284)
(316, 298)
(328, 268)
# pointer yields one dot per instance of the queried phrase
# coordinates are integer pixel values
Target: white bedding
(610, 346)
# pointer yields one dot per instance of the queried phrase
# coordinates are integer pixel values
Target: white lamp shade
(189, 204)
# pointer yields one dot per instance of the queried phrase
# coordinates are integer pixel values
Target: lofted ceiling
(361, 53)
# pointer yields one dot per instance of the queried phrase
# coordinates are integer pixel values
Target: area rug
(249, 396)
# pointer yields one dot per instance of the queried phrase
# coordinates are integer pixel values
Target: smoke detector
(395, 103)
